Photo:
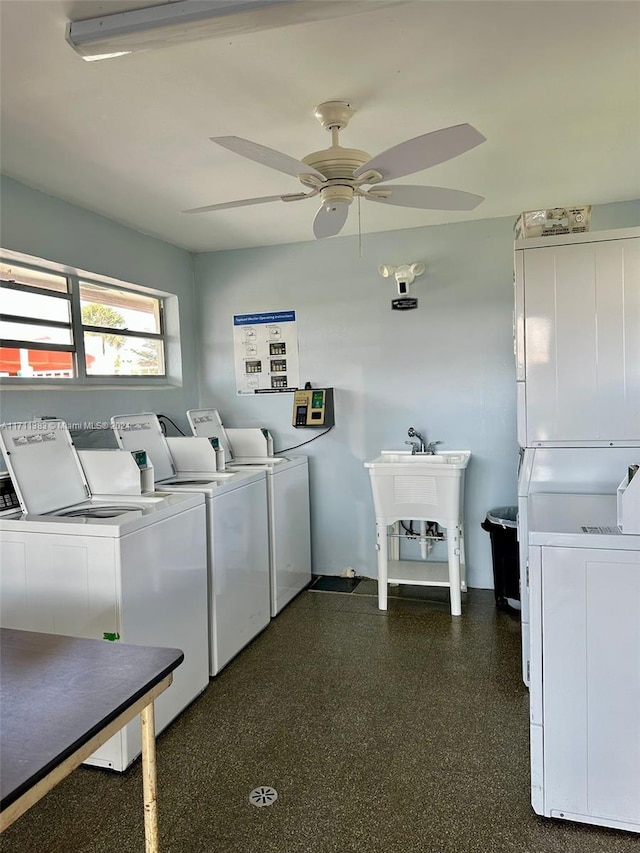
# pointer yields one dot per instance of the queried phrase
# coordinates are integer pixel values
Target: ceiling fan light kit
(339, 174)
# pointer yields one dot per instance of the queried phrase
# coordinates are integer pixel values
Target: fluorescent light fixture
(181, 21)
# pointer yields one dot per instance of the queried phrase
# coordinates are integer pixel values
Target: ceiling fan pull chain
(359, 232)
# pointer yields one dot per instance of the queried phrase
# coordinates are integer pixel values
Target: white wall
(45, 227)
(446, 368)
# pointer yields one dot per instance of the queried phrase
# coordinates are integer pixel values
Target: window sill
(87, 386)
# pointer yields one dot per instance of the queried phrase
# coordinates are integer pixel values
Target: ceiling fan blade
(423, 151)
(244, 202)
(330, 219)
(426, 198)
(266, 156)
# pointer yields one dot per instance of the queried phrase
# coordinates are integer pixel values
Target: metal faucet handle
(431, 447)
(415, 447)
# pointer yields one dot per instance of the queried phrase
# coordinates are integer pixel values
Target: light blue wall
(446, 368)
(45, 227)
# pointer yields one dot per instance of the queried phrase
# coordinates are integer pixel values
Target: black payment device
(8, 497)
(313, 407)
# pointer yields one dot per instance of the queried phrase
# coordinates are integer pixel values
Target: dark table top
(56, 693)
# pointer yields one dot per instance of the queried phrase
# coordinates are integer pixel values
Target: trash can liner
(505, 516)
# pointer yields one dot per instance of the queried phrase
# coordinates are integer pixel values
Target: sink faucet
(421, 446)
(416, 446)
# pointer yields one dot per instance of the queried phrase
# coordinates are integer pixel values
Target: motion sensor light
(404, 274)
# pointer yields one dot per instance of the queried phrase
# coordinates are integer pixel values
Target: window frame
(168, 304)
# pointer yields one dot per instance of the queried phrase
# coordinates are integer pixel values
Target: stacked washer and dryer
(577, 341)
(287, 497)
(112, 566)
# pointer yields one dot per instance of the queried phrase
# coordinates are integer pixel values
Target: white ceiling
(554, 86)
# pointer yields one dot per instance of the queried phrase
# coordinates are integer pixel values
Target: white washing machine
(584, 576)
(113, 567)
(288, 503)
(237, 536)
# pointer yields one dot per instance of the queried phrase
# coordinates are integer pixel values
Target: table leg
(147, 720)
(381, 545)
(453, 555)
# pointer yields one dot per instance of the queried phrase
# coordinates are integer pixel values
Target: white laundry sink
(456, 458)
(408, 485)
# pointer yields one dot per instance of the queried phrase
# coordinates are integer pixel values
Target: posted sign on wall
(266, 352)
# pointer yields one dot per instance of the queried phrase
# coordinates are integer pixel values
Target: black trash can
(501, 524)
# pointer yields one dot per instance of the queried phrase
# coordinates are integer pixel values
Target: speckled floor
(403, 732)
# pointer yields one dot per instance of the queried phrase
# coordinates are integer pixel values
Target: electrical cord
(293, 447)
(162, 418)
(408, 530)
(432, 530)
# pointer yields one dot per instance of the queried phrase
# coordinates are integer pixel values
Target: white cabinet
(585, 683)
(577, 339)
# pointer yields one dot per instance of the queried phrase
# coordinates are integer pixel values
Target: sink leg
(381, 545)
(453, 554)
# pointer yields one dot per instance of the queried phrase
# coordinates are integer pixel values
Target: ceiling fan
(338, 174)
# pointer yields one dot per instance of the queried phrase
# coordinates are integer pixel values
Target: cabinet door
(582, 341)
(591, 682)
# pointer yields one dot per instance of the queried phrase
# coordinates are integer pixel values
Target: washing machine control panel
(8, 498)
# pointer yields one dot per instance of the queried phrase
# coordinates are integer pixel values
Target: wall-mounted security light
(403, 274)
(181, 21)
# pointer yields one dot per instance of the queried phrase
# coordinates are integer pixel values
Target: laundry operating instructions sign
(265, 349)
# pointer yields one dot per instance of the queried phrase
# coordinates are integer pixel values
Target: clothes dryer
(585, 661)
(113, 567)
(237, 537)
(288, 505)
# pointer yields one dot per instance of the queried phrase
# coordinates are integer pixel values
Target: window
(68, 327)
(122, 330)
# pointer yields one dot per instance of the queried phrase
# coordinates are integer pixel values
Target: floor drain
(263, 796)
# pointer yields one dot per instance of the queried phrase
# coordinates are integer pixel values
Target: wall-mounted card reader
(313, 407)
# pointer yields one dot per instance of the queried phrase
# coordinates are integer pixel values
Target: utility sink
(419, 487)
(409, 485)
(455, 458)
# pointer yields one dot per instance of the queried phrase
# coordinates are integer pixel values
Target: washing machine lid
(578, 521)
(208, 423)
(44, 465)
(143, 432)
